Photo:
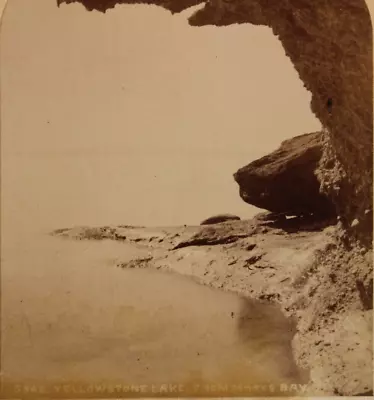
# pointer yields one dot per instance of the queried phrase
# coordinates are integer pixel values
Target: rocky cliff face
(330, 45)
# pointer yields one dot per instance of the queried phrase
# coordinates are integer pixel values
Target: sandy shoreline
(252, 305)
(293, 267)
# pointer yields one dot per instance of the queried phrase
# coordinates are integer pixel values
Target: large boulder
(285, 181)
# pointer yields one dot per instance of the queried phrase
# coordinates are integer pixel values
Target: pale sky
(134, 116)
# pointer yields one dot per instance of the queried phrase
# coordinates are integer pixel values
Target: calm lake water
(69, 314)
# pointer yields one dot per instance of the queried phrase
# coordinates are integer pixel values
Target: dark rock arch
(330, 45)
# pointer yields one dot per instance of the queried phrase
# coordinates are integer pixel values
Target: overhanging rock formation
(330, 45)
(284, 181)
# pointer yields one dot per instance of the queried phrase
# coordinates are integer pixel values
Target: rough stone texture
(285, 180)
(330, 45)
(216, 219)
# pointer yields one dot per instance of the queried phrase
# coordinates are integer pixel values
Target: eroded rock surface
(285, 180)
(330, 45)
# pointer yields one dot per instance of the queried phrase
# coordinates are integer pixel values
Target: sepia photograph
(186, 198)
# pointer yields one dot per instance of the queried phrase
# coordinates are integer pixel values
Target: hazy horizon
(134, 116)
